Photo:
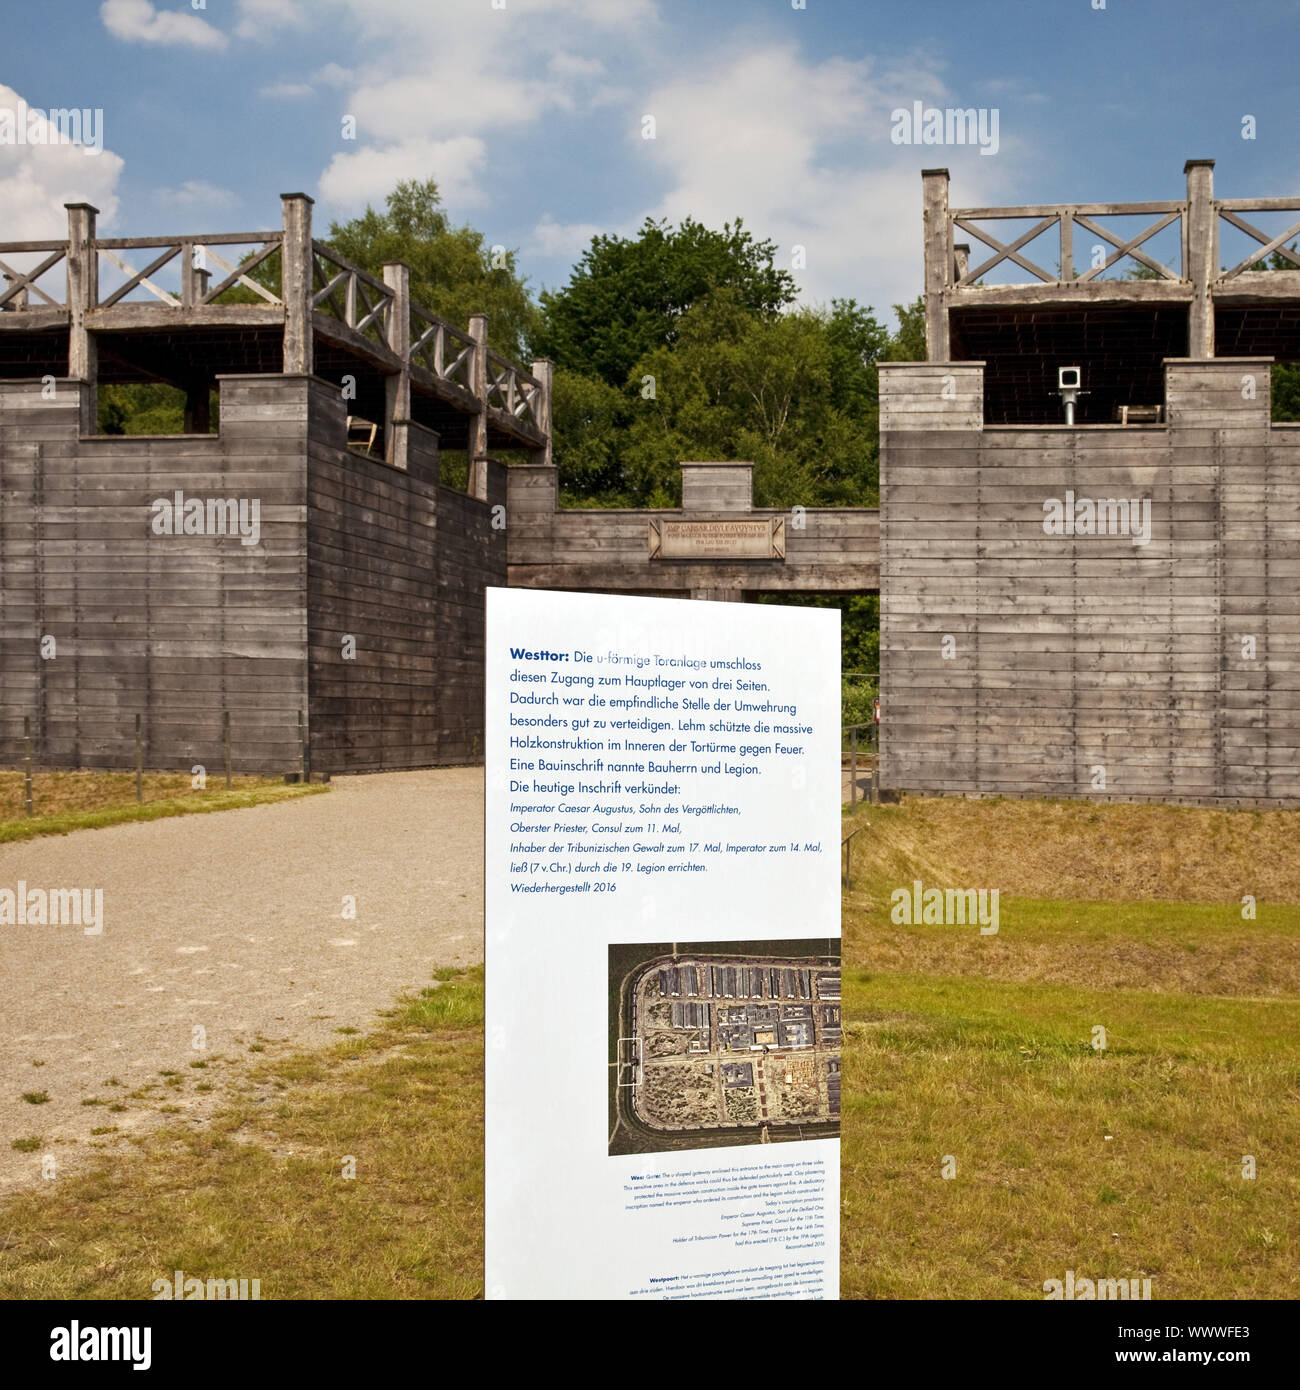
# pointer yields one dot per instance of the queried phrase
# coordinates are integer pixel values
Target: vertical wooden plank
(83, 296)
(1202, 263)
(544, 371)
(478, 448)
(938, 263)
(296, 275)
(397, 387)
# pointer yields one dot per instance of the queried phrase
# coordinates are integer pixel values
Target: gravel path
(232, 923)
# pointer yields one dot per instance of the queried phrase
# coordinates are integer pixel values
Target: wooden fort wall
(1019, 662)
(184, 630)
(177, 629)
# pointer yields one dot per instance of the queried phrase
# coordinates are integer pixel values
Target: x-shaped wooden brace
(1006, 252)
(1128, 248)
(1277, 244)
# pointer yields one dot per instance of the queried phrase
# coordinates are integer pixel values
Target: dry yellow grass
(1123, 1161)
(1072, 849)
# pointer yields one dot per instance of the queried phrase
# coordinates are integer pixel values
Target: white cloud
(437, 87)
(564, 240)
(801, 151)
(195, 193)
(573, 65)
(368, 174)
(37, 179)
(332, 75)
(286, 91)
(136, 21)
(259, 19)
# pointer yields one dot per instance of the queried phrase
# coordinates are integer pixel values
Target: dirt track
(232, 923)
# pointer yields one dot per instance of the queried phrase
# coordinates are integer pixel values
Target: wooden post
(304, 758)
(397, 387)
(478, 445)
(1067, 271)
(544, 371)
(938, 263)
(19, 301)
(296, 283)
(225, 736)
(139, 762)
(188, 297)
(83, 296)
(960, 260)
(27, 762)
(875, 764)
(1202, 234)
(853, 766)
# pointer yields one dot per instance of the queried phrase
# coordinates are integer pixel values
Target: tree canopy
(453, 273)
(628, 296)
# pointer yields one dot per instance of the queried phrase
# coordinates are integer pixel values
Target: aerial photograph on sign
(718, 1043)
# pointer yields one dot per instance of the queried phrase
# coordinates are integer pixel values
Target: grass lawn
(259, 1192)
(1123, 1162)
(64, 801)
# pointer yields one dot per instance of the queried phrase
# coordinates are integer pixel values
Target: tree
(796, 393)
(453, 274)
(628, 296)
(908, 344)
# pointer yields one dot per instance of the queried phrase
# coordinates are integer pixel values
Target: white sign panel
(662, 945)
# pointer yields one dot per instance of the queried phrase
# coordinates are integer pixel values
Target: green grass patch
(265, 1195)
(17, 826)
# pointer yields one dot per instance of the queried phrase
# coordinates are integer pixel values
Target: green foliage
(1286, 391)
(857, 703)
(146, 408)
(796, 393)
(908, 344)
(628, 296)
(453, 274)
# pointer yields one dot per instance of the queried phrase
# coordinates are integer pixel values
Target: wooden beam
(83, 296)
(1010, 251)
(1077, 209)
(478, 440)
(544, 371)
(297, 284)
(397, 386)
(938, 262)
(1129, 247)
(1267, 246)
(1202, 255)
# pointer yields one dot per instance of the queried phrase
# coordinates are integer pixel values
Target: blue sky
(530, 114)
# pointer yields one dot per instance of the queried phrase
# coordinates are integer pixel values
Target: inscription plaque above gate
(757, 539)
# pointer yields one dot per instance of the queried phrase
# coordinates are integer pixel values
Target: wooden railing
(1229, 210)
(20, 284)
(286, 273)
(193, 254)
(1066, 217)
(353, 296)
(513, 390)
(442, 349)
